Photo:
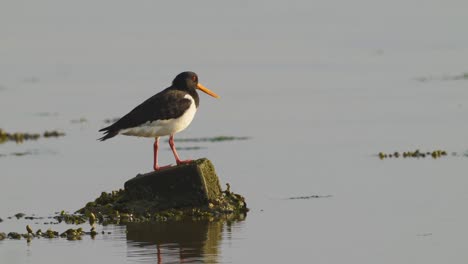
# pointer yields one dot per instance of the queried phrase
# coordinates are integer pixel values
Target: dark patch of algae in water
(413, 154)
(20, 137)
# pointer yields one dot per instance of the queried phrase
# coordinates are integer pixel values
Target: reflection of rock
(179, 240)
(213, 239)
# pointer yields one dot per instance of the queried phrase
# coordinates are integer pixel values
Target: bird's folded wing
(168, 104)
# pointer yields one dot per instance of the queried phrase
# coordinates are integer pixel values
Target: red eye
(194, 78)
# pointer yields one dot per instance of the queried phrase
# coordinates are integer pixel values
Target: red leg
(176, 156)
(155, 149)
(158, 254)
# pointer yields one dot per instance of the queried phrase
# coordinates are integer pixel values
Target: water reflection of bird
(164, 114)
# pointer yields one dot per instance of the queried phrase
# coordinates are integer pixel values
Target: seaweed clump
(69, 234)
(20, 137)
(67, 218)
(118, 207)
(452, 77)
(413, 154)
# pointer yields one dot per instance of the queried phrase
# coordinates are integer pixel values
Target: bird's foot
(157, 168)
(180, 162)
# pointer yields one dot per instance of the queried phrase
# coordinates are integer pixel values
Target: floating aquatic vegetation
(32, 217)
(79, 120)
(424, 234)
(210, 139)
(53, 133)
(425, 79)
(20, 137)
(19, 215)
(309, 197)
(17, 137)
(413, 154)
(47, 114)
(14, 235)
(19, 154)
(28, 152)
(69, 234)
(455, 77)
(462, 76)
(70, 218)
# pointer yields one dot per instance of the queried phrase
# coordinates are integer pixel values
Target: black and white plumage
(164, 114)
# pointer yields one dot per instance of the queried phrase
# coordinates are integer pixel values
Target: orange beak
(207, 91)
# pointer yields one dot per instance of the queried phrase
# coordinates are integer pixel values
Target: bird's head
(189, 80)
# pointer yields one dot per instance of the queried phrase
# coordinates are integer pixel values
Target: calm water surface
(320, 87)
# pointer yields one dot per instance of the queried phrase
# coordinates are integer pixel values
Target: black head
(186, 80)
(189, 81)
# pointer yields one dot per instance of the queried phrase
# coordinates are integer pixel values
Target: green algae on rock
(189, 191)
(192, 184)
(122, 210)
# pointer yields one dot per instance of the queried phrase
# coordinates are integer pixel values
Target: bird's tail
(109, 132)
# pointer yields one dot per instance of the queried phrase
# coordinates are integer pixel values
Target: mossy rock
(186, 191)
(193, 184)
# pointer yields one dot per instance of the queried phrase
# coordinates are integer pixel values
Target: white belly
(163, 127)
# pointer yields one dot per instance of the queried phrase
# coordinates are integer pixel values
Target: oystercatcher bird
(164, 114)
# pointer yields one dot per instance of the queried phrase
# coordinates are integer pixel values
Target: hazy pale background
(320, 86)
